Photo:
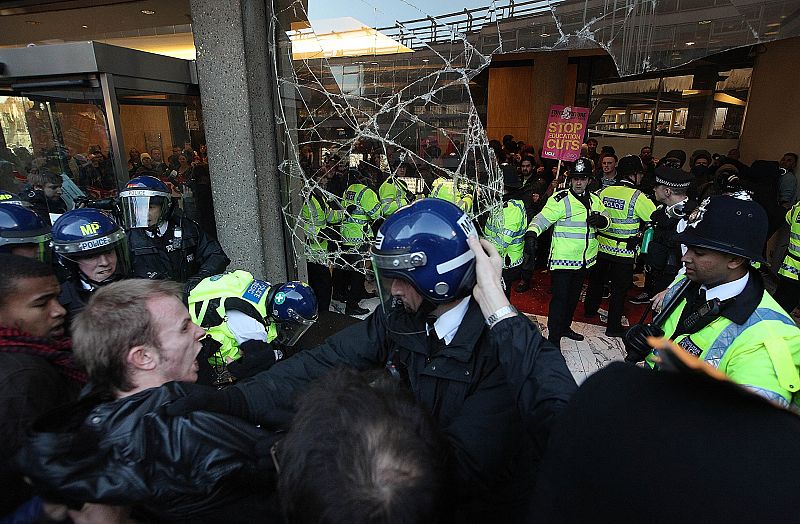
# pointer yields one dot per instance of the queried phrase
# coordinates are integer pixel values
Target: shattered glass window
(376, 91)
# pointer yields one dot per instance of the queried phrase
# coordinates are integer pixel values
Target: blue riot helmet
(425, 244)
(11, 198)
(91, 245)
(23, 233)
(146, 202)
(293, 307)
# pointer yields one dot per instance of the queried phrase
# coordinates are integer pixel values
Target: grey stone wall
(237, 89)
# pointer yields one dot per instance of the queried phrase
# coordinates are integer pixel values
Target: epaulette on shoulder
(558, 197)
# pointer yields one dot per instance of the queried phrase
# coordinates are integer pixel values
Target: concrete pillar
(237, 91)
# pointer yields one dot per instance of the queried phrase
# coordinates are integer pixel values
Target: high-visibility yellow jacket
(762, 352)
(574, 243)
(361, 207)
(790, 268)
(628, 208)
(505, 228)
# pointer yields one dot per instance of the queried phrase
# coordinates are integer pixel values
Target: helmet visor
(387, 267)
(290, 332)
(143, 208)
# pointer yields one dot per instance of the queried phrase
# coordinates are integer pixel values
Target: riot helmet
(11, 198)
(293, 307)
(91, 245)
(146, 203)
(22, 232)
(425, 244)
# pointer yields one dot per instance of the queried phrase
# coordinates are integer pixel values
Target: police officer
(317, 215)
(163, 243)
(361, 207)
(719, 310)
(244, 316)
(628, 208)
(787, 293)
(394, 194)
(663, 257)
(448, 348)
(93, 251)
(23, 233)
(505, 228)
(446, 189)
(575, 215)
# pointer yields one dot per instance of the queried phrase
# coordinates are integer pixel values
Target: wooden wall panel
(509, 102)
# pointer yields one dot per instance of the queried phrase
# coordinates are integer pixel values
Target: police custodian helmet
(728, 224)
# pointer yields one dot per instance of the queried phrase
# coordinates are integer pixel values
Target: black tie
(433, 339)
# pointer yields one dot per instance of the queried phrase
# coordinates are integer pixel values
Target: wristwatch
(495, 317)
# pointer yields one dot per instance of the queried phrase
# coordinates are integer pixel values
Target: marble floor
(589, 355)
(583, 358)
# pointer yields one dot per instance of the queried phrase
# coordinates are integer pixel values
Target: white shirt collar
(162, 228)
(727, 290)
(447, 324)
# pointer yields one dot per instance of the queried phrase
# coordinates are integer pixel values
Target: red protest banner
(563, 136)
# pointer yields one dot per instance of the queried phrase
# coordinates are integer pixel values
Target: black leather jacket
(127, 452)
(192, 256)
(495, 437)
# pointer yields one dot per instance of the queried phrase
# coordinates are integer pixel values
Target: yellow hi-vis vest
(505, 229)
(444, 188)
(628, 208)
(361, 207)
(211, 295)
(574, 243)
(315, 216)
(393, 195)
(763, 354)
(790, 268)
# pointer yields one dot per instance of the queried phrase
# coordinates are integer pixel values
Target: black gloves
(257, 356)
(635, 340)
(597, 220)
(229, 401)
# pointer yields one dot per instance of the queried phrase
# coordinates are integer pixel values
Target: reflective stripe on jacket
(628, 208)
(574, 242)
(361, 206)
(505, 229)
(790, 268)
(762, 353)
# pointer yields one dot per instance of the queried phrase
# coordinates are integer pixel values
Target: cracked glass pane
(376, 91)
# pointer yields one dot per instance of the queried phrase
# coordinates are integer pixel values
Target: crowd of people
(141, 382)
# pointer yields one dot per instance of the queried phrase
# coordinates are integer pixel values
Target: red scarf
(59, 354)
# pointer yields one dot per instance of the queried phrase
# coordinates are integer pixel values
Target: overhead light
(148, 12)
(85, 26)
(544, 35)
(704, 22)
(690, 43)
(728, 99)
(425, 60)
(776, 24)
(771, 33)
(32, 22)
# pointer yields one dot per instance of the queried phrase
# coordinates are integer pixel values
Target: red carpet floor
(537, 299)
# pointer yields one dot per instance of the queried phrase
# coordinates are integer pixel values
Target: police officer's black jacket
(496, 427)
(128, 452)
(194, 256)
(664, 252)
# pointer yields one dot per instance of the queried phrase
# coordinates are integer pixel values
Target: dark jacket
(463, 385)
(29, 387)
(194, 256)
(639, 446)
(43, 206)
(127, 452)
